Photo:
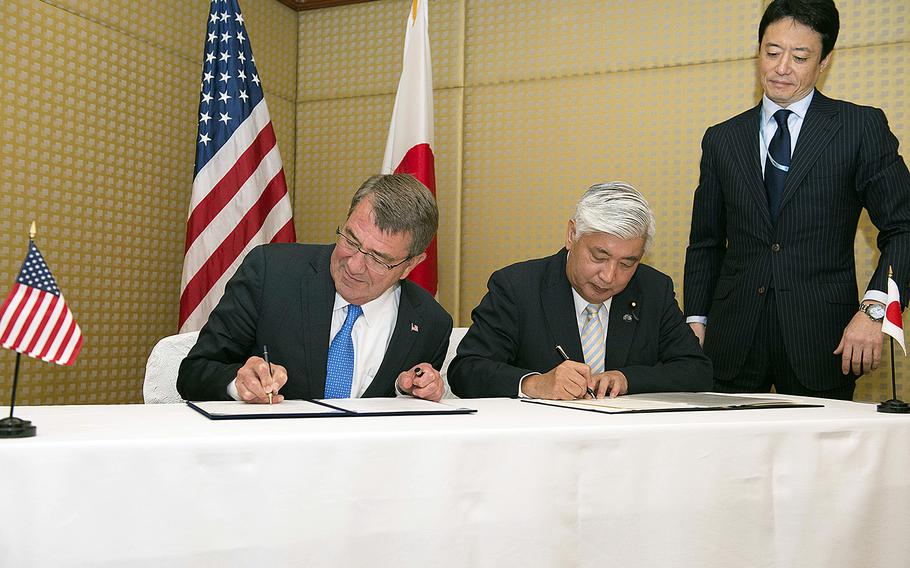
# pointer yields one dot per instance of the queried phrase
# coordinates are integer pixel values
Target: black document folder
(342, 407)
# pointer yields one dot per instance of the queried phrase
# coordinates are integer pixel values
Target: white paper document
(673, 401)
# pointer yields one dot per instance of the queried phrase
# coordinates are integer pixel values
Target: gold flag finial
(32, 231)
(890, 272)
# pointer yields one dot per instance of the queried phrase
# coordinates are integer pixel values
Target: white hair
(615, 208)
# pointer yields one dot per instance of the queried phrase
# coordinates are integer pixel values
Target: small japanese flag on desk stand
(893, 326)
(36, 321)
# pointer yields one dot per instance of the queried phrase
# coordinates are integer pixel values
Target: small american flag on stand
(240, 196)
(35, 319)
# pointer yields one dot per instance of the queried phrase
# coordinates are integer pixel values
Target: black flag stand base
(894, 406)
(12, 427)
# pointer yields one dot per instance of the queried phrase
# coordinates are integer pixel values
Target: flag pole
(12, 427)
(895, 405)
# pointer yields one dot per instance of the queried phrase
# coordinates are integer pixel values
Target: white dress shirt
(580, 318)
(371, 335)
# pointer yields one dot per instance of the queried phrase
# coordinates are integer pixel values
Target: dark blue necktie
(340, 368)
(778, 163)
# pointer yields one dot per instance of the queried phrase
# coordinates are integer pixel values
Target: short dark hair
(820, 15)
(401, 204)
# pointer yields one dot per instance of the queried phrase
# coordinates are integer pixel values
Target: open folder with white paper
(338, 407)
(674, 402)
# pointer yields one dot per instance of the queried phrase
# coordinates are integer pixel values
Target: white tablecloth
(517, 484)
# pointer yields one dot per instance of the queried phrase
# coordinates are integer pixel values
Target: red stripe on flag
(228, 186)
(66, 338)
(286, 234)
(29, 317)
(233, 245)
(43, 324)
(76, 350)
(17, 310)
(420, 163)
(58, 323)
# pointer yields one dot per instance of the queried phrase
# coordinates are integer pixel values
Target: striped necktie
(340, 368)
(592, 340)
(778, 163)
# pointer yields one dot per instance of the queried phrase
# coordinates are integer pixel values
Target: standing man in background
(770, 274)
(339, 320)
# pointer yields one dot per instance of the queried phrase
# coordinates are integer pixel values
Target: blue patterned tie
(778, 163)
(340, 369)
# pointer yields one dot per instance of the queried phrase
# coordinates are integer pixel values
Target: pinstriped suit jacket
(846, 159)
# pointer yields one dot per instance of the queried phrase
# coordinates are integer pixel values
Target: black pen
(265, 355)
(565, 356)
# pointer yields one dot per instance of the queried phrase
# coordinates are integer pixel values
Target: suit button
(775, 247)
(761, 289)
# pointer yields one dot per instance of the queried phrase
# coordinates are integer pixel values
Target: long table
(515, 484)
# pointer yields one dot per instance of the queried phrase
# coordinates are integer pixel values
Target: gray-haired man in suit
(770, 275)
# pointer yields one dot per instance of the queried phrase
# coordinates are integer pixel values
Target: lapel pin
(627, 317)
(414, 327)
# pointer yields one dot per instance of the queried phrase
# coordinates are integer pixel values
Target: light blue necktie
(340, 369)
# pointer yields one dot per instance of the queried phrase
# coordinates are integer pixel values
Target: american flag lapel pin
(414, 327)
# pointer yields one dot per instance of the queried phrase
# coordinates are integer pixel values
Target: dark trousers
(768, 365)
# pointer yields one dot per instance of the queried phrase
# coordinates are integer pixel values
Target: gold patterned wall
(98, 140)
(535, 100)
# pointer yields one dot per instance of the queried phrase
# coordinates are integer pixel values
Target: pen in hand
(565, 357)
(265, 355)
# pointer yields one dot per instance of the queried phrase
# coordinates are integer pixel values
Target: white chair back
(161, 369)
(455, 338)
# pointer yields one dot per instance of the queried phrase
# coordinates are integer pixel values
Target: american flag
(240, 197)
(35, 319)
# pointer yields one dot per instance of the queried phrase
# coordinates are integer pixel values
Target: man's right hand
(254, 382)
(568, 381)
(699, 330)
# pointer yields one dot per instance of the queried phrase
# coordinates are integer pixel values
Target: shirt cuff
(875, 296)
(232, 390)
(521, 393)
(697, 319)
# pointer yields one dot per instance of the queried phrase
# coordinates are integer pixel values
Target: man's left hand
(611, 383)
(860, 347)
(422, 381)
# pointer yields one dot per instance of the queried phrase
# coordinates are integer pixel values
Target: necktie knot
(781, 117)
(354, 312)
(592, 309)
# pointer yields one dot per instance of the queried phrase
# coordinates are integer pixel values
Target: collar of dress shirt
(581, 304)
(799, 108)
(375, 309)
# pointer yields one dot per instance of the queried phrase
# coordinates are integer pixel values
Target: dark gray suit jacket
(282, 296)
(845, 159)
(528, 310)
